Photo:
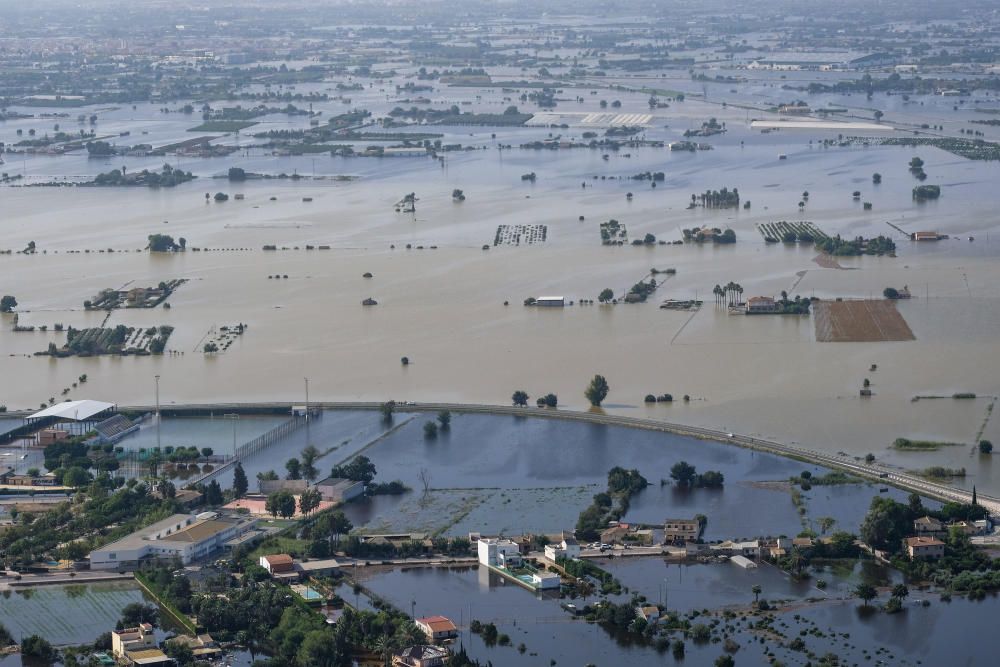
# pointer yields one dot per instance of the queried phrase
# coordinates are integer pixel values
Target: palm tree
(717, 291)
(756, 590)
(308, 460)
(384, 646)
(797, 560)
(153, 463)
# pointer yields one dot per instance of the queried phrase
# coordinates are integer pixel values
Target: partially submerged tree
(597, 390)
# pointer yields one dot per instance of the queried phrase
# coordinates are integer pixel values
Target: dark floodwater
(73, 615)
(548, 633)
(498, 473)
(538, 474)
(9, 424)
(67, 615)
(490, 455)
(340, 433)
(687, 586)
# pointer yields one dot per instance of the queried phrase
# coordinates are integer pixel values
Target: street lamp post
(157, 378)
(235, 418)
(307, 399)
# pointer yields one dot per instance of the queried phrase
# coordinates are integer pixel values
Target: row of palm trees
(729, 293)
(724, 198)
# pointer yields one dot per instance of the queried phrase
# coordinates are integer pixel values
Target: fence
(251, 447)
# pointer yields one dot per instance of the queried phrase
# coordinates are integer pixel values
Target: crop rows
(775, 231)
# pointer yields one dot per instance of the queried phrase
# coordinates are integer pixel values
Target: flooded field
(501, 474)
(67, 615)
(504, 474)
(443, 307)
(859, 322)
(342, 206)
(338, 435)
(687, 587)
(549, 633)
(217, 432)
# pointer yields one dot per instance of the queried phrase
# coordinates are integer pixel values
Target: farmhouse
(761, 304)
(437, 628)
(924, 547)
(679, 531)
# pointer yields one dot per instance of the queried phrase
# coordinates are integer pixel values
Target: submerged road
(874, 471)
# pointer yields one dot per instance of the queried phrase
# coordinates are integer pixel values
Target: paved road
(429, 560)
(873, 472)
(38, 498)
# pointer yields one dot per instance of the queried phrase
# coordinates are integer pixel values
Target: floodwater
(218, 432)
(67, 615)
(443, 308)
(685, 587)
(501, 474)
(549, 633)
(77, 614)
(339, 435)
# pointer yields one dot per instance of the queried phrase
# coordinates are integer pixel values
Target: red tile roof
(438, 624)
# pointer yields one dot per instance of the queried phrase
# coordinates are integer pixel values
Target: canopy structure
(73, 410)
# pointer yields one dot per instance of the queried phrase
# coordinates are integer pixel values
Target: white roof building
(496, 552)
(186, 537)
(74, 410)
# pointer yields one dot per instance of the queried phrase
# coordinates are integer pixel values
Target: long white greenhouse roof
(75, 410)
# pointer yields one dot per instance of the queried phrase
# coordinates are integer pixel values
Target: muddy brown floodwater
(444, 308)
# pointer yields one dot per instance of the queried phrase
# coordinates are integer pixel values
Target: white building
(132, 639)
(568, 547)
(551, 301)
(648, 613)
(404, 151)
(545, 580)
(498, 552)
(339, 490)
(186, 537)
(749, 548)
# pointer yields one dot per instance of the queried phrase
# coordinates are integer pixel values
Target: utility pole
(307, 399)
(235, 418)
(157, 378)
